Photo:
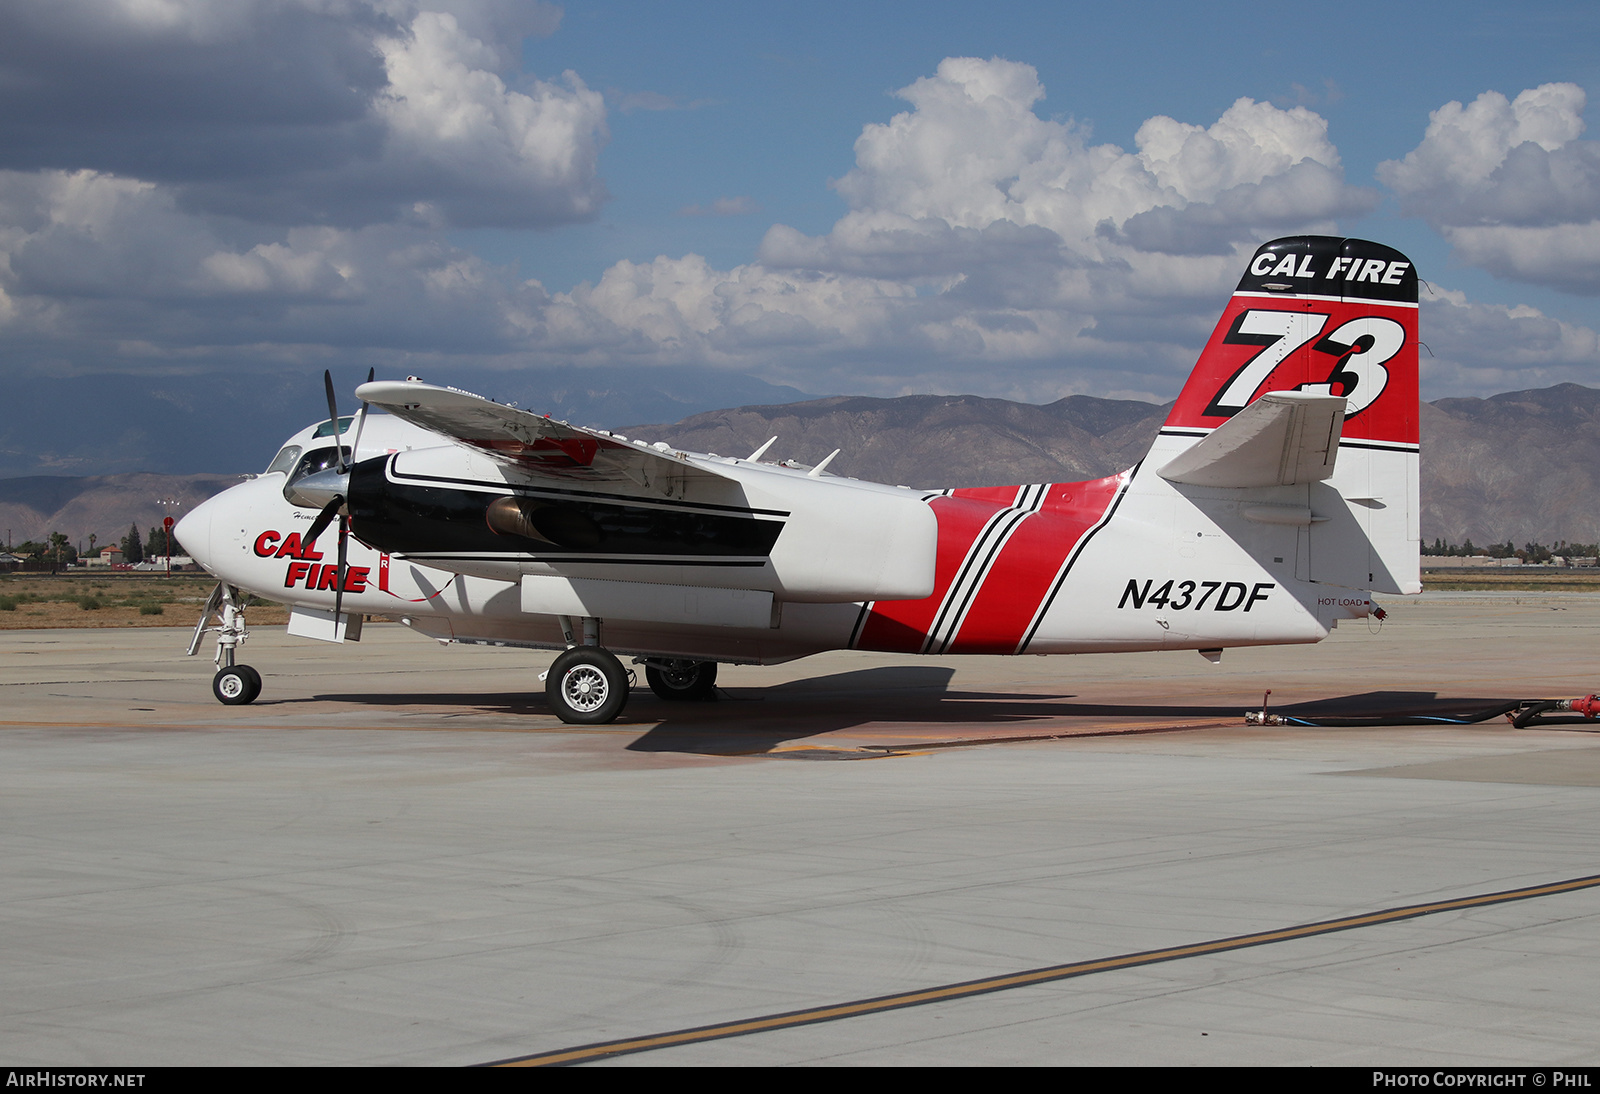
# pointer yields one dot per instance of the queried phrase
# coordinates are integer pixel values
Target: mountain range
(1521, 466)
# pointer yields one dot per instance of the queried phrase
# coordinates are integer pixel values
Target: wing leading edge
(532, 442)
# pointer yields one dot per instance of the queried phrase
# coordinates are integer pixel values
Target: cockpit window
(326, 428)
(284, 459)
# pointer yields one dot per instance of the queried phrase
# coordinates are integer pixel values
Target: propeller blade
(324, 518)
(333, 415)
(361, 422)
(344, 567)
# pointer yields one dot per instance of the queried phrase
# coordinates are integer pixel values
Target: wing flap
(1281, 439)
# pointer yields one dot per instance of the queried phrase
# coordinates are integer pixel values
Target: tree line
(1533, 553)
(58, 550)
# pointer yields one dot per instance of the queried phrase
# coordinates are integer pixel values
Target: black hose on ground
(1470, 718)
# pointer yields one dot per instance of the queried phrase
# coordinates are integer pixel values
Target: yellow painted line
(789, 1019)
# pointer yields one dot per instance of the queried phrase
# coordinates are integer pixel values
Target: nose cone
(194, 532)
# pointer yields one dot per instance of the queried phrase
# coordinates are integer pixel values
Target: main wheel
(691, 681)
(236, 685)
(586, 686)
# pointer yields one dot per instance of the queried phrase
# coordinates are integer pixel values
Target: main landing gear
(587, 685)
(234, 685)
(690, 681)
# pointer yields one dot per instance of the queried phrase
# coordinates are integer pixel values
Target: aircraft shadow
(813, 709)
(754, 721)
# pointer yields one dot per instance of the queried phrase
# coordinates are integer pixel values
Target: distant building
(159, 562)
(108, 556)
(10, 562)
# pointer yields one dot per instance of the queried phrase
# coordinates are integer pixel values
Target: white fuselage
(1142, 564)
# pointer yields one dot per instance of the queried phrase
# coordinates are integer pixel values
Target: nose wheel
(586, 685)
(236, 685)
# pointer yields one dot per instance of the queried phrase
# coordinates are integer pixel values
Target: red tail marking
(1319, 355)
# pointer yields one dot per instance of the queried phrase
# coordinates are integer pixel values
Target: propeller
(335, 506)
(333, 418)
(361, 421)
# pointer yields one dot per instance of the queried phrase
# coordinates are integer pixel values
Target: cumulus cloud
(973, 153)
(346, 112)
(979, 231)
(474, 151)
(985, 248)
(1510, 185)
(97, 263)
(1484, 349)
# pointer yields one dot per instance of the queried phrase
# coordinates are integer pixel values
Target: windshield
(284, 459)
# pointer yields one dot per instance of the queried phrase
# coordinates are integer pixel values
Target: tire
(586, 686)
(685, 681)
(236, 685)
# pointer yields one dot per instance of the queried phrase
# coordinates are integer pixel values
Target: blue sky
(823, 195)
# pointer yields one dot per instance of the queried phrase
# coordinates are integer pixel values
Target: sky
(1021, 200)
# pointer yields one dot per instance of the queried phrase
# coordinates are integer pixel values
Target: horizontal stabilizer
(534, 442)
(1283, 438)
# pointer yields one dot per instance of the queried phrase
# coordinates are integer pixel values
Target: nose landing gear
(233, 684)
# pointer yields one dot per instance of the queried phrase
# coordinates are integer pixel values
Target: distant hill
(933, 440)
(33, 507)
(1523, 466)
(234, 421)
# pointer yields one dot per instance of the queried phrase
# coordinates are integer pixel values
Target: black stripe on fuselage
(504, 488)
(444, 519)
(443, 560)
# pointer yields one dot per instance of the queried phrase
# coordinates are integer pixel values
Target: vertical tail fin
(1326, 316)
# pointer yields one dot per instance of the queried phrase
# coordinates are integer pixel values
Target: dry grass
(117, 599)
(1551, 581)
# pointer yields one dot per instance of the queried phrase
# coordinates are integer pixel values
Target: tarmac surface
(398, 856)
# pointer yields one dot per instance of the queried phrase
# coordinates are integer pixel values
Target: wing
(532, 442)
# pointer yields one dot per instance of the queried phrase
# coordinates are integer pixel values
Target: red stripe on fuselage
(1022, 576)
(1018, 580)
(901, 626)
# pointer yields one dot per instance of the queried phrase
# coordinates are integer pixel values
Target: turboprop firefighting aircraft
(1279, 495)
